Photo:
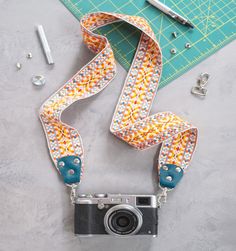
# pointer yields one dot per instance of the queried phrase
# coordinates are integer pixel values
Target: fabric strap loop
(131, 121)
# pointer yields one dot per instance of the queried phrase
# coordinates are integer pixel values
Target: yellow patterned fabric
(131, 121)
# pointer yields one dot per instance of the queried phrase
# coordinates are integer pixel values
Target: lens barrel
(123, 220)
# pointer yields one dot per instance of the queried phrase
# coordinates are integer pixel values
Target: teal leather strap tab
(170, 175)
(70, 169)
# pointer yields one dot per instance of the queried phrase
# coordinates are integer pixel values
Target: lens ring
(129, 219)
(131, 215)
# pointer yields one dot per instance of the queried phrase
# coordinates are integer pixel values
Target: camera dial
(100, 195)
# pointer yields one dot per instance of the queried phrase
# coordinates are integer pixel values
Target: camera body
(116, 214)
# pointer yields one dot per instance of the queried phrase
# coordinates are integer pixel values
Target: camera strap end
(73, 192)
(162, 197)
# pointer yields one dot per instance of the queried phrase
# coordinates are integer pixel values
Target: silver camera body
(116, 214)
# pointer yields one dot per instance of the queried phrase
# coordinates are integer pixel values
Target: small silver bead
(61, 164)
(187, 45)
(76, 161)
(178, 169)
(173, 51)
(71, 171)
(169, 178)
(165, 168)
(29, 55)
(18, 66)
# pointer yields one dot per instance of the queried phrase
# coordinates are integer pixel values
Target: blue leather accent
(175, 172)
(70, 169)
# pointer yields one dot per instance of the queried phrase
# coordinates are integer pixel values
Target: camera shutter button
(82, 195)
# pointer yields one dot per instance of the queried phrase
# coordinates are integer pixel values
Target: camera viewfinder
(143, 201)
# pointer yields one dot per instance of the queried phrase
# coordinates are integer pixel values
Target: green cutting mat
(214, 21)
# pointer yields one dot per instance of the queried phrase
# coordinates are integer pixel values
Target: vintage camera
(116, 214)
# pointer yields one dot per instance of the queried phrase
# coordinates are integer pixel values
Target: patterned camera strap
(131, 121)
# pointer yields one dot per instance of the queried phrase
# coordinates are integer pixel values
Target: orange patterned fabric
(131, 121)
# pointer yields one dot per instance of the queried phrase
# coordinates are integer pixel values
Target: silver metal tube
(160, 6)
(165, 9)
(45, 44)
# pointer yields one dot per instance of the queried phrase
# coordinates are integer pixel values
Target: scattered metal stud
(71, 171)
(61, 164)
(169, 178)
(178, 169)
(173, 51)
(187, 45)
(18, 66)
(76, 161)
(165, 168)
(174, 34)
(29, 55)
(39, 81)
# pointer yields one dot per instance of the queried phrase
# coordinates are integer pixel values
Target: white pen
(45, 44)
(162, 7)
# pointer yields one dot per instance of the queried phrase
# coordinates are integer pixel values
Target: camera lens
(123, 220)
